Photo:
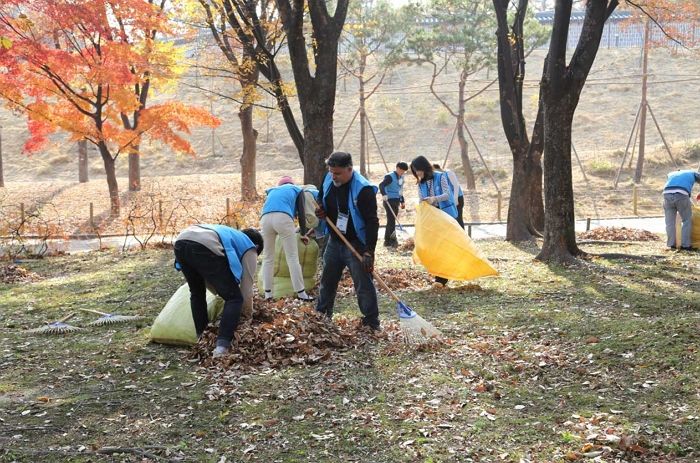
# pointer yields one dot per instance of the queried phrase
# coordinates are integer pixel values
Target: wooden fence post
(588, 224)
(500, 199)
(160, 215)
(228, 211)
(635, 196)
(21, 216)
(92, 217)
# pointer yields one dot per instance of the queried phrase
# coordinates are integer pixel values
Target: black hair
(256, 238)
(402, 165)
(437, 167)
(421, 163)
(339, 159)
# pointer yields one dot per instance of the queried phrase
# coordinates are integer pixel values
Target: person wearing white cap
(283, 203)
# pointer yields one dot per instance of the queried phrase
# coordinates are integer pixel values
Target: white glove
(429, 199)
(385, 198)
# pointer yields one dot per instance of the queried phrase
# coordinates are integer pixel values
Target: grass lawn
(595, 362)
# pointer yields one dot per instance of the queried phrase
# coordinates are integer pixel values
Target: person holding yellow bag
(434, 188)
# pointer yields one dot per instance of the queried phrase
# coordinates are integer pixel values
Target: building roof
(547, 17)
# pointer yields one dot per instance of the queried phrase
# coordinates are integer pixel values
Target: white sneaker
(220, 351)
(268, 296)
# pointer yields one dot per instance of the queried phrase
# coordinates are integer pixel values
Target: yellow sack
(444, 249)
(282, 283)
(694, 232)
(174, 324)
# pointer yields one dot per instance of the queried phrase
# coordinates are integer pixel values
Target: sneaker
(688, 249)
(220, 351)
(302, 296)
(268, 295)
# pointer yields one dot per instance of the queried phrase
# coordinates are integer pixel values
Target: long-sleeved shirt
(388, 180)
(431, 189)
(366, 206)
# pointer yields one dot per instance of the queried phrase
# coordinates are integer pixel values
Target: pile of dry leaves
(396, 278)
(11, 274)
(407, 245)
(618, 234)
(289, 332)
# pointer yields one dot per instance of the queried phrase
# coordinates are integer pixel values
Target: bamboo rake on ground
(110, 319)
(59, 327)
(416, 329)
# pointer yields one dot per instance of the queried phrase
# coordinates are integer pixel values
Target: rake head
(113, 319)
(55, 328)
(415, 329)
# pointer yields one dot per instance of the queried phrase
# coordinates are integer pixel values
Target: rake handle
(359, 257)
(67, 317)
(394, 214)
(93, 311)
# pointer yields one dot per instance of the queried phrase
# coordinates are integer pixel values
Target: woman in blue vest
(677, 200)
(222, 259)
(434, 188)
(283, 203)
(456, 191)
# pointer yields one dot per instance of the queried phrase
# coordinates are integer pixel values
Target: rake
(396, 219)
(59, 327)
(109, 318)
(415, 329)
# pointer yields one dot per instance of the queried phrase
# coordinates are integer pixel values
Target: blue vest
(449, 204)
(235, 243)
(282, 198)
(683, 179)
(357, 183)
(394, 190)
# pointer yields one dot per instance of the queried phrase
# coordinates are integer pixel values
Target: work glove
(368, 262)
(403, 205)
(320, 213)
(385, 198)
(429, 199)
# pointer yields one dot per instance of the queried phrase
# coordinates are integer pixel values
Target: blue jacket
(682, 179)
(235, 243)
(357, 183)
(448, 205)
(282, 199)
(395, 189)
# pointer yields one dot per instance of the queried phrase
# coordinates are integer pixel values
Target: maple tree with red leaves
(81, 67)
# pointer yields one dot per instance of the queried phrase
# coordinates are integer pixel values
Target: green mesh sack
(308, 258)
(174, 325)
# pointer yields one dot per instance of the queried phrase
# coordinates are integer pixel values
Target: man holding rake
(349, 200)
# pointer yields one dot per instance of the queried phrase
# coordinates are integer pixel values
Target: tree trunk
(318, 143)
(518, 227)
(463, 147)
(559, 233)
(643, 116)
(363, 119)
(464, 153)
(111, 179)
(535, 174)
(83, 162)
(250, 136)
(135, 169)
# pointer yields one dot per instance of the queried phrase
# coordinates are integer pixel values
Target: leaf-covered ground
(595, 362)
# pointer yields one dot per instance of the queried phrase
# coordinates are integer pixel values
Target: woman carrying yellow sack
(434, 188)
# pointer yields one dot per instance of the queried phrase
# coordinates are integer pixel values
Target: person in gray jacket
(677, 200)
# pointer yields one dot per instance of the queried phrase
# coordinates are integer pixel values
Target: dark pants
(336, 257)
(390, 230)
(460, 211)
(200, 265)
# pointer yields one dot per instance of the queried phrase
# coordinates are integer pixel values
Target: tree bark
(535, 174)
(248, 171)
(83, 172)
(559, 234)
(463, 146)
(318, 143)
(135, 169)
(112, 185)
